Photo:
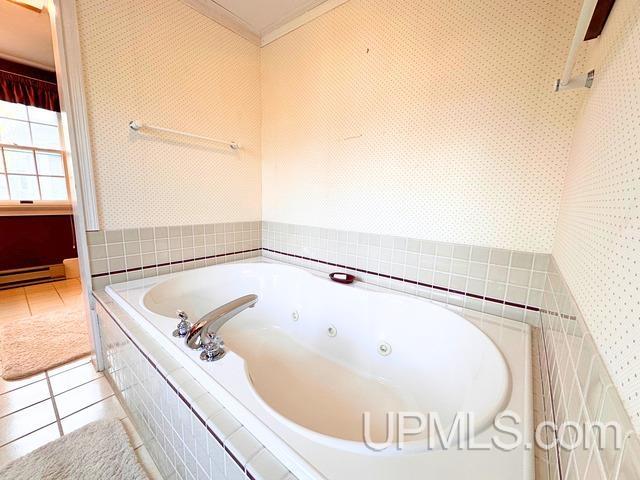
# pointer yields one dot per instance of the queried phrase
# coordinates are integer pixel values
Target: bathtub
(312, 355)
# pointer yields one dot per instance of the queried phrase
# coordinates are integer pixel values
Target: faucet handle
(184, 325)
(212, 348)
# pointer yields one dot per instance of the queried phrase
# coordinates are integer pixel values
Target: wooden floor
(35, 299)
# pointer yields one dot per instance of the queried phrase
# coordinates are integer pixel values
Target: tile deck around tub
(177, 410)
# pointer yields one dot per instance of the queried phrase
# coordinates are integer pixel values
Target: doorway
(41, 288)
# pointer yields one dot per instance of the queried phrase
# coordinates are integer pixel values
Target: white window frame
(35, 206)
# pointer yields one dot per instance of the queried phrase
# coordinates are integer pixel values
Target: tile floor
(41, 408)
(34, 299)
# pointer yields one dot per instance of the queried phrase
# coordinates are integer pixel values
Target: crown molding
(219, 14)
(300, 20)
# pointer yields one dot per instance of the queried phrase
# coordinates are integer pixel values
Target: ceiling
(263, 16)
(25, 35)
(262, 21)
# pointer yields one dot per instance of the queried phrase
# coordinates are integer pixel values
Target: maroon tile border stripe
(177, 392)
(407, 280)
(369, 272)
(176, 262)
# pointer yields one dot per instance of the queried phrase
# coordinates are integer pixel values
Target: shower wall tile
(120, 255)
(578, 388)
(498, 281)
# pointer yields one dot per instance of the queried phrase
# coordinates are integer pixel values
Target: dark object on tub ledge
(341, 277)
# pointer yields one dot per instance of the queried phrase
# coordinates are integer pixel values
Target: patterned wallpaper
(161, 62)
(598, 241)
(430, 120)
(423, 119)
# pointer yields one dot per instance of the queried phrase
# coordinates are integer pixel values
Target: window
(32, 163)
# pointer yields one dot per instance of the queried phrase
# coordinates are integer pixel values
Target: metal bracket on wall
(581, 81)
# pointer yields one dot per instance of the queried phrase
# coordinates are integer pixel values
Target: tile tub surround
(496, 281)
(501, 282)
(121, 255)
(187, 432)
(512, 336)
(578, 388)
(570, 379)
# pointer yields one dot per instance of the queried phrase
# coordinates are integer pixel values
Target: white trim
(66, 46)
(299, 21)
(297, 18)
(75, 125)
(16, 209)
(219, 14)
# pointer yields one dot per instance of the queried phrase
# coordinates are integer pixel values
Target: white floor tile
(28, 443)
(106, 409)
(74, 377)
(69, 366)
(83, 396)
(23, 397)
(26, 421)
(9, 385)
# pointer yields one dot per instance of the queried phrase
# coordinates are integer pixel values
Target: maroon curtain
(28, 85)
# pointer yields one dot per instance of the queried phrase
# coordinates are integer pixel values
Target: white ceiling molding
(288, 26)
(224, 17)
(262, 26)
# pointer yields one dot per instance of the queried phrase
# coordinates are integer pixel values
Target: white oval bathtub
(439, 362)
(305, 361)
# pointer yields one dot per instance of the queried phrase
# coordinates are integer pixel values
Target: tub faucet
(204, 333)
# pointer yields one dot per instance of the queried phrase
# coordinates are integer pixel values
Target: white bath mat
(99, 451)
(64, 336)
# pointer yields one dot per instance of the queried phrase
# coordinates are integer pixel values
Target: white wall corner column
(66, 46)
